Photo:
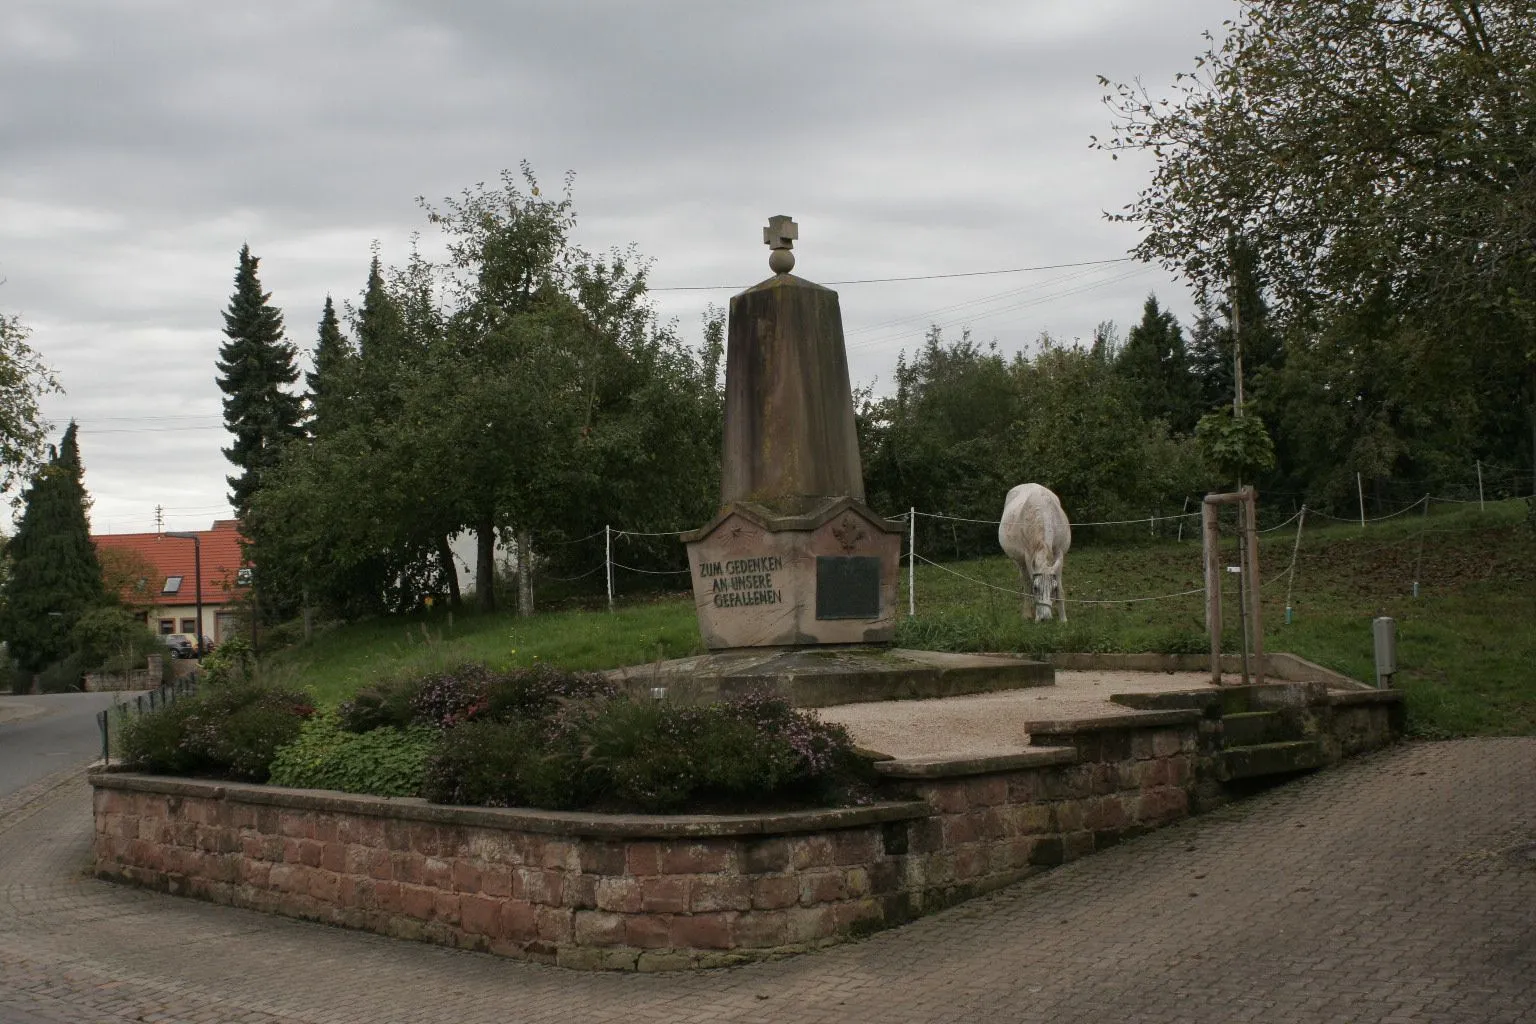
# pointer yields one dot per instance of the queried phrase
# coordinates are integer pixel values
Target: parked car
(179, 645)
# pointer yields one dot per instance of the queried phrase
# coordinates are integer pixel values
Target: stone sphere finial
(780, 235)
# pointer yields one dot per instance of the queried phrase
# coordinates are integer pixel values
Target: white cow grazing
(1036, 535)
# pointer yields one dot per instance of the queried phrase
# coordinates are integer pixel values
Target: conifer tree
(55, 575)
(330, 384)
(1155, 363)
(255, 366)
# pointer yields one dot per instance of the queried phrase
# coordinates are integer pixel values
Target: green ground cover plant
(384, 761)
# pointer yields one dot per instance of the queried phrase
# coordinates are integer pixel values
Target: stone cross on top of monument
(789, 434)
(780, 235)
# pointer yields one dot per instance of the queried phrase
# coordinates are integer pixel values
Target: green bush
(232, 732)
(230, 663)
(12, 679)
(507, 764)
(385, 761)
(471, 691)
(382, 705)
(111, 639)
(62, 676)
(581, 746)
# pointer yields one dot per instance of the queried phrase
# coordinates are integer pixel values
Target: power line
(914, 277)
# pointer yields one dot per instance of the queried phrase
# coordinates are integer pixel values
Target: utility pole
(197, 580)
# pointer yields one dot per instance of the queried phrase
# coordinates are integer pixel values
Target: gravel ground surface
(995, 723)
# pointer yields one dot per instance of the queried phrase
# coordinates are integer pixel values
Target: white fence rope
(1016, 592)
(910, 517)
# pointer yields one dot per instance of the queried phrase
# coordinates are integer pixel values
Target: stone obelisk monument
(794, 557)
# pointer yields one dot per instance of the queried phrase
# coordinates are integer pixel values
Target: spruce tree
(330, 384)
(255, 366)
(55, 576)
(1155, 363)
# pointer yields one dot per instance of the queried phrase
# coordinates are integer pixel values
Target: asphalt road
(43, 733)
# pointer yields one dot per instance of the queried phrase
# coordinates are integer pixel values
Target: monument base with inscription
(765, 579)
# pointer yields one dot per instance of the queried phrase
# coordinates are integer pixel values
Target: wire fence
(1168, 527)
(113, 719)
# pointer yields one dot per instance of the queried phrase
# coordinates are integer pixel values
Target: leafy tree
(129, 577)
(1372, 154)
(1237, 447)
(255, 366)
(55, 576)
(23, 381)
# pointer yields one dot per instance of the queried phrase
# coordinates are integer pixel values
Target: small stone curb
(1128, 720)
(954, 767)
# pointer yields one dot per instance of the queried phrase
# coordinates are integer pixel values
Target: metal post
(1418, 565)
(912, 562)
(1480, 507)
(608, 561)
(1211, 538)
(197, 581)
(1251, 579)
(1182, 516)
(1243, 618)
(1290, 584)
(1360, 490)
(104, 720)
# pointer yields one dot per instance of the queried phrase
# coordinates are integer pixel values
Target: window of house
(172, 585)
(189, 626)
(243, 577)
(167, 627)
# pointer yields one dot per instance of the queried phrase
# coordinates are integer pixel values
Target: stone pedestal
(828, 576)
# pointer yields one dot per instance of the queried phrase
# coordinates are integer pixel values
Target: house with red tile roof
(155, 575)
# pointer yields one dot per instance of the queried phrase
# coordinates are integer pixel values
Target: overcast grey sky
(141, 144)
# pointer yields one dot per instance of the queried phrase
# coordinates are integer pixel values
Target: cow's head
(1044, 585)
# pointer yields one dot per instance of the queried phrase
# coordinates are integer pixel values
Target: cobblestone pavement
(1400, 887)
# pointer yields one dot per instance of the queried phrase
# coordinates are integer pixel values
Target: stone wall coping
(523, 819)
(952, 767)
(1344, 698)
(1100, 723)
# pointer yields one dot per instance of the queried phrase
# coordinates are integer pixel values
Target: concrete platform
(989, 724)
(824, 676)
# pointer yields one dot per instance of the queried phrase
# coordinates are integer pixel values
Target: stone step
(1252, 728)
(1269, 759)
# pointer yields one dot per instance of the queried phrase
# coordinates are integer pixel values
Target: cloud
(142, 144)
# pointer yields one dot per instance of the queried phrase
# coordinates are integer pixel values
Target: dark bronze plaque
(847, 588)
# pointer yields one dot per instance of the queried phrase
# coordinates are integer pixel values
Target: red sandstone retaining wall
(635, 892)
(666, 892)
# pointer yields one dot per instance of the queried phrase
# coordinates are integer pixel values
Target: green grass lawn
(1467, 643)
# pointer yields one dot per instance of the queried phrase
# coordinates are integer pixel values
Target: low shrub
(382, 705)
(587, 747)
(112, 640)
(507, 764)
(385, 761)
(230, 664)
(468, 692)
(232, 732)
(63, 676)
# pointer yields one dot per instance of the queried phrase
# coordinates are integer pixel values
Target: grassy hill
(1467, 643)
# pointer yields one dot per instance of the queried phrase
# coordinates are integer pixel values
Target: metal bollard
(1384, 635)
